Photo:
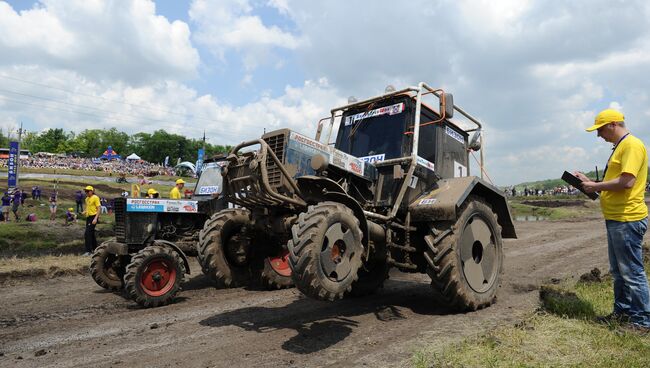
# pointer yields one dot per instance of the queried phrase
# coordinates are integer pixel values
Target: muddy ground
(71, 322)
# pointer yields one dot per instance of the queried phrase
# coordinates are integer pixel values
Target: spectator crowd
(117, 167)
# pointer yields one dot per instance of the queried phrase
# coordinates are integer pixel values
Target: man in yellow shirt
(175, 193)
(626, 218)
(92, 216)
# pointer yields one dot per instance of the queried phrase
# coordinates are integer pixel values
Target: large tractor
(387, 184)
(154, 237)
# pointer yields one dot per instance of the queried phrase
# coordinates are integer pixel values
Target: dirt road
(71, 322)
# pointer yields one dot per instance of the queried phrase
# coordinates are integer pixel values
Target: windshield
(210, 180)
(377, 133)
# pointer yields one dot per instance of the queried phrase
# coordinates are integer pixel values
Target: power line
(106, 99)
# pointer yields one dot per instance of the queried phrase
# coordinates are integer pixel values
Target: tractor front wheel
(276, 273)
(325, 252)
(154, 276)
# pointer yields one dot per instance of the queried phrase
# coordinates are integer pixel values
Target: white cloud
(224, 25)
(123, 40)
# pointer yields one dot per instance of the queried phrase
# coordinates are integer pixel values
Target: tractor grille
(120, 219)
(276, 144)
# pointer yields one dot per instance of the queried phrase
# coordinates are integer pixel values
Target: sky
(535, 73)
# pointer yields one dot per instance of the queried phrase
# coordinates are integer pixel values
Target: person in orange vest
(175, 193)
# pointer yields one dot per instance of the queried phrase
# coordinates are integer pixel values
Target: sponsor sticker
(208, 189)
(386, 110)
(454, 134)
(374, 158)
(426, 201)
(426, 163)
(161, 205)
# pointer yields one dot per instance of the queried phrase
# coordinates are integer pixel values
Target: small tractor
(154, 237)
(392, 189)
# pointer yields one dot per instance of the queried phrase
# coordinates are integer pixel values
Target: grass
(562, 333)
(76, 172)
(48, 266)
(551, 213)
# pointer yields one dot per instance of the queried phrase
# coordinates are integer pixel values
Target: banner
(199, 161)
(12, 164)
(161, 205)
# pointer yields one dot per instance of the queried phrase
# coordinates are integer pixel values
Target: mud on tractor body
(154, 237)
(393, 190)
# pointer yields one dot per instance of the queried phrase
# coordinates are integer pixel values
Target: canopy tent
(109, 154)
(186, 165)
(133, 157)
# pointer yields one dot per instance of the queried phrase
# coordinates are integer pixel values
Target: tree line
(152, 147)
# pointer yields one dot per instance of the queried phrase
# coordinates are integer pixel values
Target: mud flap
(443, 202)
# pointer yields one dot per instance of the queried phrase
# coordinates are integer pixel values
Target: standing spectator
(38, 193)
(33, 193)
(6, 205)
(79, 200)
(626, 218)
(23, 197)
(175, 193)
(53, 206)
(15, 202)
(103, 206)
(92, 217)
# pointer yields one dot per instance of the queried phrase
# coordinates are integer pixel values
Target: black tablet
(573, 180)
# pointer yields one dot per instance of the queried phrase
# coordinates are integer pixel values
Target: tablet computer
(577, 183)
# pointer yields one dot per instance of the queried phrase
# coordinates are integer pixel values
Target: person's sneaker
(613, 318)
(86, 254)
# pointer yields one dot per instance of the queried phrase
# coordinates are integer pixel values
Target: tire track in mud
(78, 326)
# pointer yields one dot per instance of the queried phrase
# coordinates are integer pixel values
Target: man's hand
(95, 221)
(581, 176)
(589, 186)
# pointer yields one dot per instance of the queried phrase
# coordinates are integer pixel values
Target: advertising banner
(161, 205)
(199, 161)
(12, 164)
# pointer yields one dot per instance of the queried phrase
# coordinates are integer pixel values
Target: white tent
(133, 157)
(187, 165)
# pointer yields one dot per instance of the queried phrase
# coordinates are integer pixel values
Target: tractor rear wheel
(276, 273)
(225, 250)
(325, 252)
(154, 276)
(465, 263)
(107, 269)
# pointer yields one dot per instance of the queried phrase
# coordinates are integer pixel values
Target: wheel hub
(337, 251)
(158, 277)
(478, 253)
(280, 264)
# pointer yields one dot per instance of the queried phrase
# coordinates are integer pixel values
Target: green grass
(562, 333)
(557, 213)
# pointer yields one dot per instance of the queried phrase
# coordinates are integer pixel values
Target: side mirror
(475, 142)
(447, 105)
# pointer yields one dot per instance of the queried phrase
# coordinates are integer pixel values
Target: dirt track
(75, 323)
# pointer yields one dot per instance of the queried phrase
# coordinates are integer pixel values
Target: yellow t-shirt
(175, 193)
(92, 205)
(630, 157)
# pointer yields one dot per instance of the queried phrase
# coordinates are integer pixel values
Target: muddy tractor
(154, 238)
(385, 183)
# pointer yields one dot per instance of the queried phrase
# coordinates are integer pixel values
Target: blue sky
(534, 72)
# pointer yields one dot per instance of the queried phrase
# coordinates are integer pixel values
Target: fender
(443, 202)
(316, 189)
(178, 250)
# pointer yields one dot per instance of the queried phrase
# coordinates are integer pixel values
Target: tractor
(386, 184)
(148, 258)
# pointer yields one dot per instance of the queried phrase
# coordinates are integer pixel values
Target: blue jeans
(624, 244)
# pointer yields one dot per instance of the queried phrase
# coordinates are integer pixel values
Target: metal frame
(421, 90)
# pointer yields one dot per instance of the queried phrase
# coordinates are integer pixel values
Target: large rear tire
(325, 251)
(154, 276)
(465, 263)
(225, 251)
(107, 269)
